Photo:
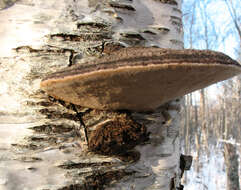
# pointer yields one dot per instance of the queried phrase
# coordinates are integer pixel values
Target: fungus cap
(139, 79)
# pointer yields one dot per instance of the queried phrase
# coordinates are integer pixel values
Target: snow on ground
(211, 175)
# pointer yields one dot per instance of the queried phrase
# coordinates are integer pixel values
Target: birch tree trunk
(231, 162)
(42, 141)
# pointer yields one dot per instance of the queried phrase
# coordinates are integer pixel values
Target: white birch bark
(41, 142)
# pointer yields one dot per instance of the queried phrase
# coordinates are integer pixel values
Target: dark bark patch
(117, 136)
(147, 31)
(179, 19)
(163, 30)
(122, 6)
(52, 129)
(81, 37)
(73, 165)
(54, 114)
(99, 180)
(170, 2)
(185, 163)
(177, 10)
(92, 26)
(41, 103)
(46, 49)
(134, 36)
(42, 139)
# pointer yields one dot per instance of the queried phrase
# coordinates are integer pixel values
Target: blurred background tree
(212, 117)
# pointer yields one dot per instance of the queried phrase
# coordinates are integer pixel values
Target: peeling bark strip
(105, 82)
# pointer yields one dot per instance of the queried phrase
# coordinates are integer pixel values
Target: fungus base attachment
(118, 136)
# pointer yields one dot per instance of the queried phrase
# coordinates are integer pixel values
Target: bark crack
(79, 116)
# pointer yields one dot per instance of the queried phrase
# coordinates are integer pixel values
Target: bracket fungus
(139, 78)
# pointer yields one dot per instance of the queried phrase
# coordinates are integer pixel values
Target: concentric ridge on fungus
(139, 79)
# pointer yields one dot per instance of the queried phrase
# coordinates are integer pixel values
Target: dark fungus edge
(141, 56)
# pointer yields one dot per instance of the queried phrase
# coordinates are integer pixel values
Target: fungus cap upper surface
(139, 79)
